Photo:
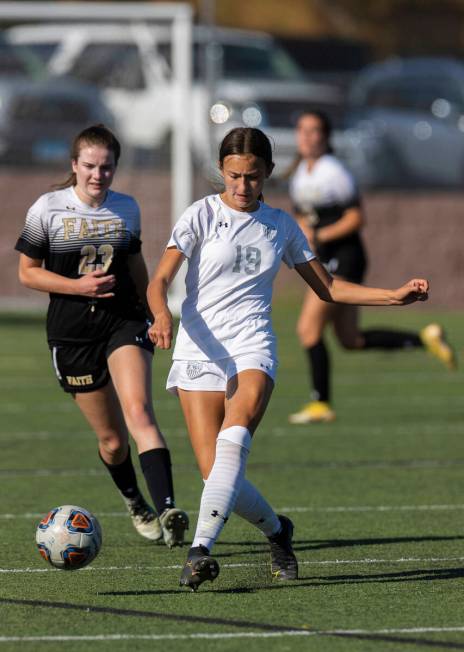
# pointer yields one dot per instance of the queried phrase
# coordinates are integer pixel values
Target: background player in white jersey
(224, 361)
(81, 243)
(328, 209)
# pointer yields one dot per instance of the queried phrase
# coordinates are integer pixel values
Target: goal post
(178, 18)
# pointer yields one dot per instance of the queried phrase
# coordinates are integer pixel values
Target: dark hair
(93, 135)
(247, 140)
(323, 118)
(326, 126)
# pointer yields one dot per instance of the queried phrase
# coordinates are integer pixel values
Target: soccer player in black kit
(327, 208)
(81, 244)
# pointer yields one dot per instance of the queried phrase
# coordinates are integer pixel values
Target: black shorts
(83, 367)
(345, 258)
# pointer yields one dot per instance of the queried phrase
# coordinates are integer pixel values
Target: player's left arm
(335, 290)
(139, 274)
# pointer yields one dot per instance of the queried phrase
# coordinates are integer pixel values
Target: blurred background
(172, 78)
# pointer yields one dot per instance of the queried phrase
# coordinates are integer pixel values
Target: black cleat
(199, 567)
(284, 565)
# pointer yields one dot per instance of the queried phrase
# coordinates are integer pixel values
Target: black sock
(156, 467)
(123, 476)
(319, 365)
(387, 339)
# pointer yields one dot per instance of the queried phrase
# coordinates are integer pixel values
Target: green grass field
(377, 499)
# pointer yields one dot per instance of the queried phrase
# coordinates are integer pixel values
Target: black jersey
(73, 239)
(324, 193)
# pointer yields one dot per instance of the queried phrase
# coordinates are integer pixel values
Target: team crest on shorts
(194, 369)
(332, 265)
(269, 231)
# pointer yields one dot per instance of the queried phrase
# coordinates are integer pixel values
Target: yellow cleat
(313, 412)
(433, 339)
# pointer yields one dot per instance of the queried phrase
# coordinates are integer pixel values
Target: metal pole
(181, 151)
(209, 61)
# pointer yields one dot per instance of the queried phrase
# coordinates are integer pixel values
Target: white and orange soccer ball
(69, 537)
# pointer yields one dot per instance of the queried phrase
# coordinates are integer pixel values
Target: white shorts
(213, 376)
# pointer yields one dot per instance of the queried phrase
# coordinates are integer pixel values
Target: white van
(257, 83)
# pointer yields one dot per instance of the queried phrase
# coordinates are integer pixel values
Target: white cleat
(144, 518)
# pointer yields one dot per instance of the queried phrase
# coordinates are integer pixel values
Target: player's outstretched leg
(284, 565)
(198, 568)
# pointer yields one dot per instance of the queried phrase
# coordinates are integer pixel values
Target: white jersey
(233, 258)
(328, 183)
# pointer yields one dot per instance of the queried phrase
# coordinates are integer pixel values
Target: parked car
(329, 59)
(19, 61)
(256, 81)
(38, 120)
(405, 124)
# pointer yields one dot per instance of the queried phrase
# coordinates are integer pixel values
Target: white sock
(223, 484)
(255, 509)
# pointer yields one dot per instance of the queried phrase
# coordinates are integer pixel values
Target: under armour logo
(215, 513)
(225, 224)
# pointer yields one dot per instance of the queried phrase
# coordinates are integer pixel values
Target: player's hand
(414, 290)
(97, 284)
(160, 332)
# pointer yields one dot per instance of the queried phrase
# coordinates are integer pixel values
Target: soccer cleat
(144, 518)
(433, 339)
(174, 523)
(284, 565)
(313, 412)
(198, 568)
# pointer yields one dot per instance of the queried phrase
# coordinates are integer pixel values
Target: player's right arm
(160, 332)
(32, 274)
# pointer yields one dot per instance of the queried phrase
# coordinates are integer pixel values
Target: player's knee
(111, 444)
(308, 338)
(253, 405)
(137, 415)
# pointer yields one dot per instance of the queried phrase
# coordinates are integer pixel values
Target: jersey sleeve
(135, 244)
(184, 236)
(33, 240)
(343, 187)
(297, 249)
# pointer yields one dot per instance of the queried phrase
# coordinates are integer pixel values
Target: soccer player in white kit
(224, 361)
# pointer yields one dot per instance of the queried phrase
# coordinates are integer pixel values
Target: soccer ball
(69, 537)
